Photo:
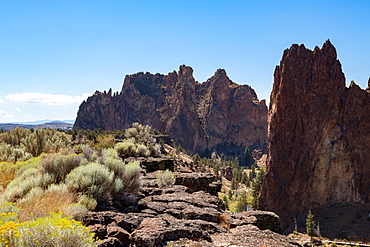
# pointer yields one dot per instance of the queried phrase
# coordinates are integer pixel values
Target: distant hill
(44, 121)
(54, 124)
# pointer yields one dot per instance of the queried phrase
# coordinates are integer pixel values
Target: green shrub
(75, 209)
(165, 179)
(115, 165)
(104, 141)
(14, 136)
(310, 224)
(44, 140)
(142, 134)
(126, 149)
(30, 179)
(59, 165)
(243, 204)
(94, 180)
(87, 201)
(142, 150)
(110, 153)
(131, 177)
(8, 212)
(53, 230)
(89, 153)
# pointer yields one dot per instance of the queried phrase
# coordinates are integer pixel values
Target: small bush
(44, 140)
(89, 153)
(140, 133)
(87, 201)
(30, 179)
(142, 150)
(8, 212)
(131, 178)
(126, 149)
(110, 153)
(104, 141)
(94, 180)
(53, 230)
(14, 136)
(75, 209)
(59, 165)
(115, 165)
(165, 179)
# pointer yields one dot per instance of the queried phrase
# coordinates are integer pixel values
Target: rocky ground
(188, 213)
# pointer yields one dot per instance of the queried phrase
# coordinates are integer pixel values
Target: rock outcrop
(319, 138)
(198, 116)
(180, 213)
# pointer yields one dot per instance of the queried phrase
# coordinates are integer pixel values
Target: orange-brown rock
(198, 116)
(319, 135)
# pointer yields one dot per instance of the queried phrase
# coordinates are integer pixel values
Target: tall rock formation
(198, 116)
(319, 135)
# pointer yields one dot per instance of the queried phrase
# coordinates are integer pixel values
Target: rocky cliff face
(319, 138)
(198, 116)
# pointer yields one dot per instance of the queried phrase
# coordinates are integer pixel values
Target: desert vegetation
(46, 180)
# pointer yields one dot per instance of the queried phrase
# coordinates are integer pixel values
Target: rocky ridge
(188, 213)
(319, 137)
(217, 114)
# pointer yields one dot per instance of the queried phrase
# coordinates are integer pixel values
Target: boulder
(156, 231)
(182, 205)
(120, 234)
(262, 219)
(206, 182)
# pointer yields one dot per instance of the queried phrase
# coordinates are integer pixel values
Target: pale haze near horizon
(54, 54)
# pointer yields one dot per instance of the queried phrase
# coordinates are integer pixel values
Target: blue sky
(53, 54)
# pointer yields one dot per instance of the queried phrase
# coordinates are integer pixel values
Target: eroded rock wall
(319, 133)
(198, 116)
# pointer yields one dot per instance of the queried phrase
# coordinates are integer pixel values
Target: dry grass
(41, 204)
(225, 221)
(7, 172)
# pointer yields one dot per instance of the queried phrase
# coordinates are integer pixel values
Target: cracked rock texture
(319, 138)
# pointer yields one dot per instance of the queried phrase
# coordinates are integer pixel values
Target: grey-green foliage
(127, 148)
(23, 184)
(129, 173)
(131, 177)
(13, 154)
(142, 135)
(89, 153)
(102, 180)
(59, 165)
(165, 178)
(95, 180)
(14, 137)
(44, 140)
